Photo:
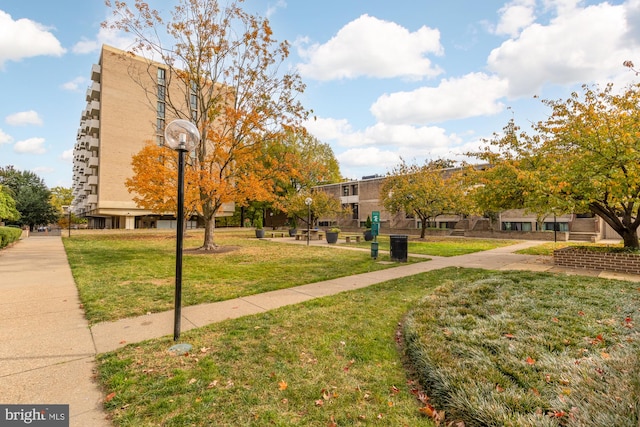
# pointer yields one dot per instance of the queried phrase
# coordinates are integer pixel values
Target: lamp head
(181, 135)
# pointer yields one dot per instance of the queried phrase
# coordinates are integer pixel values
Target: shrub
(9, 235)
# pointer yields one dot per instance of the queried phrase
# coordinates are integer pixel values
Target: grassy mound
(526, 349)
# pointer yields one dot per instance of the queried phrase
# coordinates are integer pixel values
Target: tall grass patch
(529, 349)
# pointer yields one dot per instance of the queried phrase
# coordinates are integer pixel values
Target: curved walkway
(47, 350)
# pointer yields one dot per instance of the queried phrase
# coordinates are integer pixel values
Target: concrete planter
(332, 237)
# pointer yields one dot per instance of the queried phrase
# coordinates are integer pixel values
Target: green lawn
(489, 348)
(127, 274)
(440, 246)
(124, 274)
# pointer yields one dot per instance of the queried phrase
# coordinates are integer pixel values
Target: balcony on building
(93, 126)
(93, 162)
(93, 143)
(95, 72)
(92, 199)
(93, 108)
(93, 93)
(92, 180)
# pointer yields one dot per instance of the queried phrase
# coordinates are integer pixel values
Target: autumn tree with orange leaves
(225, 65)
(585, 157)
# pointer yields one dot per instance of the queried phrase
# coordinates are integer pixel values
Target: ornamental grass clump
(528, 350)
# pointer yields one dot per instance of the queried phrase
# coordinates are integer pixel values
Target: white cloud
(67, 156)
(41, 170)
(365, 157)
(475, 94)
(515, 16)
(584, 45)
(75, 85)
(25, 39)
(24, 118)
(111, 37)
(372, 47)
(5, 138)
(327, 129)
(421, 140)
(273, 8)
(30, 146)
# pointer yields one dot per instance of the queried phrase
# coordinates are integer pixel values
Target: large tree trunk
(630, 238)
(209, 214)
(423, 229)
(626, 227)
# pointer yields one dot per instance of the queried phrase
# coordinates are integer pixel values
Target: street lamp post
(307, 202)
(181, 136)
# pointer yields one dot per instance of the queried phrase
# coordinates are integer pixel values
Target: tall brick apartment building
(125, 109)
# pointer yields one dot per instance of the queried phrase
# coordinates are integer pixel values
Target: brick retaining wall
(575, 257)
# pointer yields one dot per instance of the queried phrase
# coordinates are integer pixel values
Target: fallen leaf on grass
(282, 385)
(431, 412)
(530, 360)
(110, 397)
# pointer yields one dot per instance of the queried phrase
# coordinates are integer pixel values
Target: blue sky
(385, 80)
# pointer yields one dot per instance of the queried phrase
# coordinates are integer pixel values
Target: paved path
(47, 354)
(47, 350)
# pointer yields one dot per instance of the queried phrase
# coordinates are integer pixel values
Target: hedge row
(9, 235)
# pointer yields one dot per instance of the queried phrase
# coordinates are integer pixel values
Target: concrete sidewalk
(48, 351)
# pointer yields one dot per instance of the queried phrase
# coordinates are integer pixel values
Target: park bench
(315, 234)
(355, 237)
(277, 233)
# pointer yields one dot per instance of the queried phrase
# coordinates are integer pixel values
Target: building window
(354, 190)
(561, 226)
(162, 92)
(345, 190)
(516, 226)
(193, 101)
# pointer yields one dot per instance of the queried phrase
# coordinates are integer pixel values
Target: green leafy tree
(305, 162)
(322, 205)
(515, 177)
(61, 196)
(31, 195)
(425, 191)
(584, 158)
(8, 209)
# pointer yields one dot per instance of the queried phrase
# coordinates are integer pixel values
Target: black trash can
(399, 247)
